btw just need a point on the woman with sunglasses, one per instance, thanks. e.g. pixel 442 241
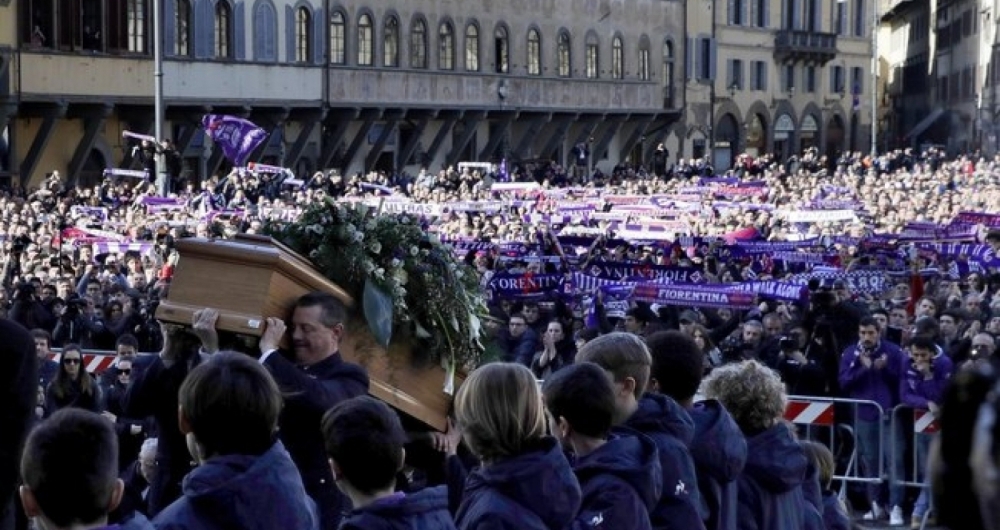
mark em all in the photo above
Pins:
pixel 73 386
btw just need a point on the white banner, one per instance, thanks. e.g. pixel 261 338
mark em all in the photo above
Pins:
pixel 818 216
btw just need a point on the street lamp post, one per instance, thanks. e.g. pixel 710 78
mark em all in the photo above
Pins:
pixel 874 89
pixel 161 170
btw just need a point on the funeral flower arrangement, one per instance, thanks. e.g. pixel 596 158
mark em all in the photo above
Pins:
pixel 408 283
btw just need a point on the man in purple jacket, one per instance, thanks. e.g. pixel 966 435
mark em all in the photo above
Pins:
pixel 925 375
pixel 870 371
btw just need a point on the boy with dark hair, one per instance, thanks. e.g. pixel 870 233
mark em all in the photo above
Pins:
pixel 70 472
pixel 620 476
pixel 364 440
pixel 626 358
pixel 719 449
pixel 228 409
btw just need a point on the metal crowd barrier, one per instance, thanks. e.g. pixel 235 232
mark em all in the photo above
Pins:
pixel 925 426
pixel 818 416
pixel 95 361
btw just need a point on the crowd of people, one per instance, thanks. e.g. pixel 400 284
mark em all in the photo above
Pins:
pixel 655 411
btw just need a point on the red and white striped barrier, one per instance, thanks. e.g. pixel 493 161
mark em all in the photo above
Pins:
pixel 810 413
pixel 924 422
pixel 95 363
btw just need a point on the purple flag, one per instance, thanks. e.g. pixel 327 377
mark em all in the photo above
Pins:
pixel 502 173
pixel 237 137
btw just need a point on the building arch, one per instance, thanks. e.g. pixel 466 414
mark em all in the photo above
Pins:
pixel 758 129
pixel 812 115
pixel 784 131
pixel 835 134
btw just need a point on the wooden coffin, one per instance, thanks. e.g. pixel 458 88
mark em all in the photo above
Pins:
pixel 251 278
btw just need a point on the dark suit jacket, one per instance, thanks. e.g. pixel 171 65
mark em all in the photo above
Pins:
pixel 309 392
pixel 153 392
pixel 18 395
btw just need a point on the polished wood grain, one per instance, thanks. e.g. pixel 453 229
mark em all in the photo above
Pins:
pixel 251 278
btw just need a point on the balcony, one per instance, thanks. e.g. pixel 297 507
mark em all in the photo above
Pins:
pixel 805 46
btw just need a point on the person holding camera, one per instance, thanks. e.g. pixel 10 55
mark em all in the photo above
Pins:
pixel 807 366
pixel 79 323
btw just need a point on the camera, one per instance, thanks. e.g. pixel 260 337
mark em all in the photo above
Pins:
pixel 24 292
pixel 788 344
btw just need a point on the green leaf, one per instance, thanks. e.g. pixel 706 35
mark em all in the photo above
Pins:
pixel 378 312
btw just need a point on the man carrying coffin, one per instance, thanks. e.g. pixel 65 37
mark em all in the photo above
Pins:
pixel 312 378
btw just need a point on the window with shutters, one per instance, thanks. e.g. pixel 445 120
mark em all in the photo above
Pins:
pixel 303 35
pixel 265 26
pixel 223 30
pixel 472 48
pixel 837 80
pixel 135 21
pixel 338 37
pixel 737 8
pixel 859 18
pixel 182 28
pixel 390 41
pixel 644 68
pixel 592 51
pixel 366 40
pixel 563 55
pixel 809 83
pixel 418 44
pixel 617 58
pixel 760 75
pixel 840 18
pixel 735 75
pixel 534 52
pixel 704 58
pixel 760 8
pixel 501 50
pixel 446 46
pixel 669 64
pixel 788 81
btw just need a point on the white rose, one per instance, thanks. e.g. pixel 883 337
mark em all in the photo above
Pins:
pixel 414 251
pixel 359 237
pixel 376 247
pixel 395 263
pixel 314 253
pixel 369 267
pixel 370 225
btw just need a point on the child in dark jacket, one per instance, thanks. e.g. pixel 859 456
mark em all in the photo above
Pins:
pixel 364 439
pixel 619 475
pixel 627 359
pixel 834 514
pixel 525 481
pixel 228 409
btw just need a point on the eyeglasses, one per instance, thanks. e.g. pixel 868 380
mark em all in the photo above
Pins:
pixel 71 361
pixel 125 371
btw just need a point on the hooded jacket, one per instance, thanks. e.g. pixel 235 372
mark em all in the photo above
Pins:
pixel 880 385
pixel 916 391
pixel 671 429
pixel 834 517
pixel 424 510
pixel 535 490
pixel 719 451
pixel 240 491
pixel 812 509
pixel 620 482
pixel 770 488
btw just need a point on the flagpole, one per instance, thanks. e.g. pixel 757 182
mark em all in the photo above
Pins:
pixel 160 177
